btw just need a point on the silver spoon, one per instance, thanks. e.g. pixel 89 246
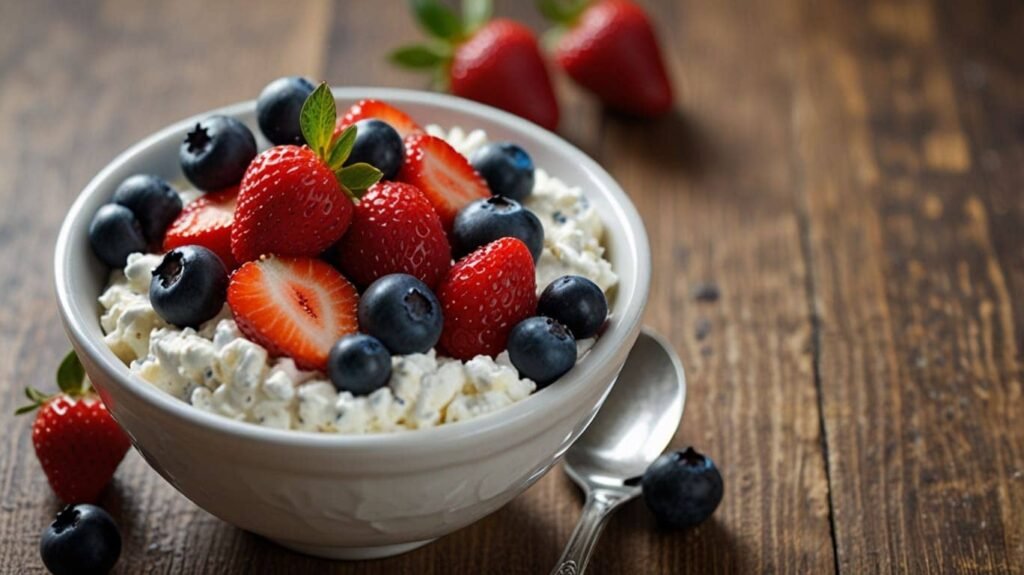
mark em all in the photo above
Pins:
pixel 635 424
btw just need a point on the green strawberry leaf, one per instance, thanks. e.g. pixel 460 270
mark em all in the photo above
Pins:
pixel 476 13
pixel 563 12
pixel 317 119
pixel 26 409
pixel 342 148
pixel 357 177
pixel 71 375
pixel 417 57
pixel 437 19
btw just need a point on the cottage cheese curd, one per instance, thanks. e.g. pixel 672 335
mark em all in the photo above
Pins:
pixel 216 369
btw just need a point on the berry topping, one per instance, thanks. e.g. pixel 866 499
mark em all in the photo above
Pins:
pixel 402 312
pixel 484 221
pixel 296 201
pixel 385 112
pixel 507 168
pixel 577 303
pixel 683 488
pixel 541 349
pixel 82 540
pixel 484 296
pixel 216 153
pixel 394 230
pixel 359 364
pixel 298 307
pixel 278 107
pixel 189 286
pixel 153 201
pixel 206 222
pixel 379 145
pixel 442 174
pixel 114 234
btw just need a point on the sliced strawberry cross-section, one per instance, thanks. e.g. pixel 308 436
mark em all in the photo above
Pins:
pixel 443 175
pixel 366 109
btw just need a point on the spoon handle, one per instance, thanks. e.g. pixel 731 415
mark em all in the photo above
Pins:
pixel 598 507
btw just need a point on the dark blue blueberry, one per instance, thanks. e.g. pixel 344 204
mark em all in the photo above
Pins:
pixel 114 233
pixel 541 349
pixel 189 286
pixel 359 364
pixel 379 145
pixel 402 312
pixel 153 201
pixel 507 168
pixel 490 219
pixel 278 109
pixel 682 489
pixel 577 303
pixel 82 540
pixel 216 153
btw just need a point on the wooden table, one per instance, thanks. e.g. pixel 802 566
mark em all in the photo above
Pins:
pixel 847 177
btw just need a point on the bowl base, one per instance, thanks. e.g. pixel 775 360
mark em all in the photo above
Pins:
pixel 352 553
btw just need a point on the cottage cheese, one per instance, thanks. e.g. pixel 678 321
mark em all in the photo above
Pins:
pixel 216 369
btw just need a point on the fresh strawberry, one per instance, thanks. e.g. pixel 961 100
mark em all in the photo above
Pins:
pixel 293 306
pixel 365 109
pixel 609 47
pixel 497 62
pixel 206 222
pixel 76 440
pixel 297 201
pixel 444 176
pixel 394 230
pixel 484 296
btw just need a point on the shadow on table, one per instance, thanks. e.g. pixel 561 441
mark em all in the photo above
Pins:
pixel 675 145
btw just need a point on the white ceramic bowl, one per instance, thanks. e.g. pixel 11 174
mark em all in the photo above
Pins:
pixel 357 496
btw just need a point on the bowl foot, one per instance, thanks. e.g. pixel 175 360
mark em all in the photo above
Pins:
pixel 352 553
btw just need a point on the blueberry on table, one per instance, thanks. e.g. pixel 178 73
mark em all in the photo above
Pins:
pixel 507 168
pixel 379 145
pixel 153 201
pixel 82 540
pixel 216 153
pixel 402 312
pixel 682 489
pixel 359 364
pixel 278 109
pixel 114 233
pixel 577 303
pixel 189 286
pixel 484 221
pixel 541 349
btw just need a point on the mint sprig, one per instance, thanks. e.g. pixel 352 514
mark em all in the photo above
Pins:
pixel 70 379
pixel 317 120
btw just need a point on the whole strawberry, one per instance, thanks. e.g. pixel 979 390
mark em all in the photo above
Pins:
pixel 484 296
pixel 497 62
pixel 609 47
pixel 76 440
pixel 297 200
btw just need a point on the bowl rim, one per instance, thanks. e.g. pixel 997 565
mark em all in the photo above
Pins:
pixel 525 412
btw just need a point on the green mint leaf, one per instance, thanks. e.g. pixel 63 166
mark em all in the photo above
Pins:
pixel 71 375
pixel 358 177
pixel 342 148
pixel 317 119
pixel 476 13
pixel 417 57
pixel 437 19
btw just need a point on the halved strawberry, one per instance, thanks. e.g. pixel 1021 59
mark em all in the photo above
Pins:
pixel 298 307
pixel 442 174
pixel 385 112
pixel 206 222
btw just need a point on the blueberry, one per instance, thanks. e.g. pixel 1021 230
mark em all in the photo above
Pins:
pixel 82 540
pixel 379 145
pixel 359 364
pixel 153 201
pixel 278 109
pixel 507 168
pixel 541 349
pixel 486 220
pixel 189 286
pixel 114 233
pixel 402 312
pixel 216 153
pixel 577 303
pixel 682 489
